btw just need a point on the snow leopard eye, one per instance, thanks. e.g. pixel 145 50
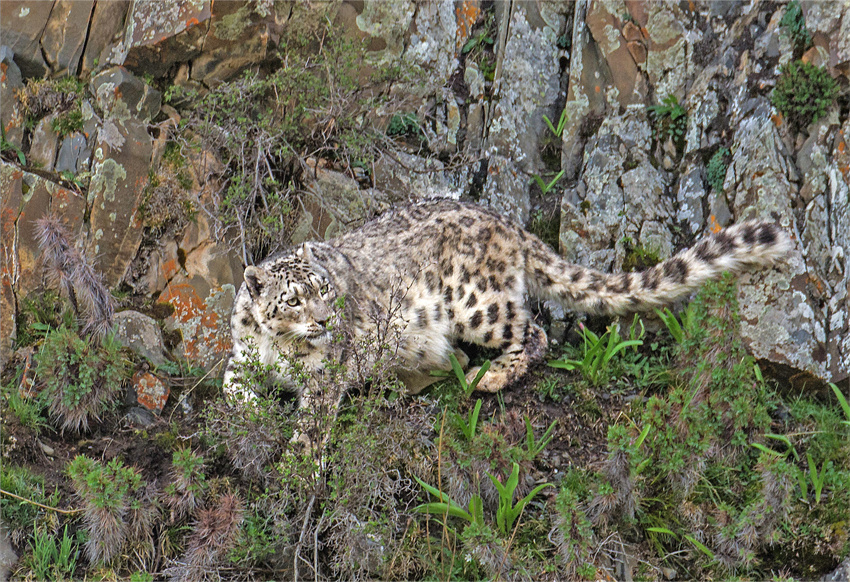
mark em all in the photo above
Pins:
pixel 324 290
pixel 294 302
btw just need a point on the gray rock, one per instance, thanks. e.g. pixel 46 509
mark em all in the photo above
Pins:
pixel 44 144
pixel 11 113
pixel 689 197
pixel 123 94
pixel 119 173
pixel 413 178
pixel 610 202
pixel 333 204
pixel 782 319
pixel 160 34
pixel 840 574
pixel 8 557
pixel 529 85
pixel 21 26
pixel 141 334
pixel 73 154
pixel 140 417
pixel 65 35
pixel 107 23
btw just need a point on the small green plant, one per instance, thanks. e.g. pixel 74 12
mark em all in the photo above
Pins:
pixel 638 256
pixel 794 25
pixel 67 123
pixel 404 124
pixel 140 576
pixel 468 387
pixel 803 93
pixel 817 478
pixel 478 40
pixel 677 331
pixel 716 169
pixel 549 388
pixel 51 561
pixel 534 447
pixel 507 513
pixel 25 408
pixel 7 147
pixel 185 493
pixel 20 516
pixel 842 401
pixel 598 353
pixel 467 427
pixel 445 507
pixel 76 180
pixel 670 119
pixel 558 130
pixel 575 541
pixel 546 186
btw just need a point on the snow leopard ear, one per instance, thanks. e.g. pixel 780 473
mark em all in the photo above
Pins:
pixel 255 280
pixel 305 253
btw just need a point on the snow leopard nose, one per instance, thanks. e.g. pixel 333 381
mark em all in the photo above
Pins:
pixel 321 313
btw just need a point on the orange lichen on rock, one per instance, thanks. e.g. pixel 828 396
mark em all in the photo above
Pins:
pixel 206 337
pixel 713 225
pixel 467 13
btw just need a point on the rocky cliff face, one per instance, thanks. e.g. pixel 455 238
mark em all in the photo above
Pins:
pixel 669 131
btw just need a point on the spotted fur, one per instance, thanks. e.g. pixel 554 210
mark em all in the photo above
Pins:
pixel 441 272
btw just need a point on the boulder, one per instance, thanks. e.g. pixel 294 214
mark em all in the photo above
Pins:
pixel 64 36
pixel 141 334
pixel 150 391
pixel 44 144
pixel 159 35
pixel 529 84
pixel 120 168
pixel 107 23
pixel 21 27
pixel 11 114
pixel 202 291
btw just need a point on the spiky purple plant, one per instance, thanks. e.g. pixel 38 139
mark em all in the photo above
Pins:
pixel 72 273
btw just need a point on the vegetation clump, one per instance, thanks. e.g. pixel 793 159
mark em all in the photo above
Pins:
pixel 716 169
pixel 794 25
pixel 804 93
pixel 80 377
pixel 670 120
pixel 114 511
pixel 264 126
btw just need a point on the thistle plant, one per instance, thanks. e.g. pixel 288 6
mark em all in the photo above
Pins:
pixel 184 495
pixel 106 493
pixel 214 534
pixel 70 271
pixel 80 377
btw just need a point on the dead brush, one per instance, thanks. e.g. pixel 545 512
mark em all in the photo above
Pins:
pixel 43 96
pixel 573 534
pixel 214 534
pixel 252 438
pixel 142 517
pixel 371 498
pixel 482 544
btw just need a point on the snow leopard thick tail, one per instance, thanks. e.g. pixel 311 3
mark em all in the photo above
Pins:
pixel 737 248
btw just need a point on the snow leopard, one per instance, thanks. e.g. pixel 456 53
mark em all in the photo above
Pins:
pixel 439 273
